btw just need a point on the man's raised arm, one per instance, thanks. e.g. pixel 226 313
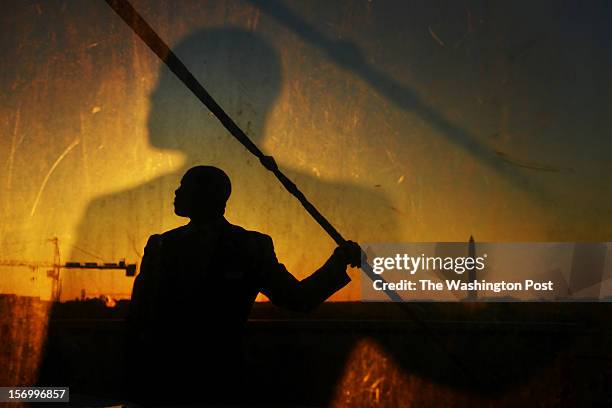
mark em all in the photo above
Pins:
pixel 284 290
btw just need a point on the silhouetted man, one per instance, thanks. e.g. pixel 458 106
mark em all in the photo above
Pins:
pixel 195 290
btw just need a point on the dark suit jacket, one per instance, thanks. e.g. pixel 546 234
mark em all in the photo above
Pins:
pixel 193 295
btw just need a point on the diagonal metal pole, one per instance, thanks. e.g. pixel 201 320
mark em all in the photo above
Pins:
pixel 146 33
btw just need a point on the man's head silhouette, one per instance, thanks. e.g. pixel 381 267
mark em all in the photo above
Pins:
pixel 202 195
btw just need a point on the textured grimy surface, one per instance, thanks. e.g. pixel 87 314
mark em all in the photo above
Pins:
pixel 348 354
pixel 413 121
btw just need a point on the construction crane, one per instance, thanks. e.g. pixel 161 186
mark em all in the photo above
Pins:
pixel 54 268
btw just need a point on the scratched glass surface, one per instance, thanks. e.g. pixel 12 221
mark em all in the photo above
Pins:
pixel 401 122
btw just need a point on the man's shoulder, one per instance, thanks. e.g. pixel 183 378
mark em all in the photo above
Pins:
pixel 253 237
pixel 156 241
pixel 231 231
pixel 253 245
pixel 173 233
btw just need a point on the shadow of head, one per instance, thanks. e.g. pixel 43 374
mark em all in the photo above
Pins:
pixel 238 68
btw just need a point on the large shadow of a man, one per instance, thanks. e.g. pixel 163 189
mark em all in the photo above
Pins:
pixel 203 286
pixel 243 73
